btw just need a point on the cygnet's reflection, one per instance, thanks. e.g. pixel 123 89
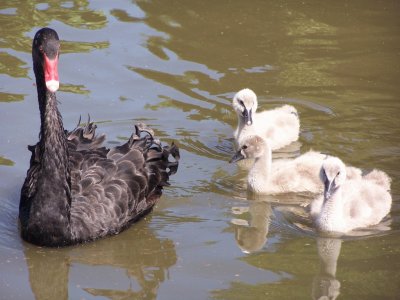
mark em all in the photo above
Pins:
pixel 143 258
pixel 251 235
pixel 325 284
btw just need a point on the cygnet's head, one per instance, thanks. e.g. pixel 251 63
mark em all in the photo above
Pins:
pixel 333 175
pixel 253 147
pixel 245 104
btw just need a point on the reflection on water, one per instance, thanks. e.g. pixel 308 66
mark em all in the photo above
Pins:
pixel 12 66
pixel 6 162
pixel 28 15
pixel 325 284
pixel 144 263
pixel 251 235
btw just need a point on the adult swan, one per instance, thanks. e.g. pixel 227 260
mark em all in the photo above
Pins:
pixel 75 190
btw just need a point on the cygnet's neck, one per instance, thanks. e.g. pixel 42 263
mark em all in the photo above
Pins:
pixel 259 174
pixel 331 215
pixel 241 122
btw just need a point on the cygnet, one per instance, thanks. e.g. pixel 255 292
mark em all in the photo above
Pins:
pixel 280 125
pixel 349 204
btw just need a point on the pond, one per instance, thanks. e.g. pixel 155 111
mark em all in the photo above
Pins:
pixel 176 65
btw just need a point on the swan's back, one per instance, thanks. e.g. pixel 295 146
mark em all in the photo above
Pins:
pixel 113 188
pixel 109 188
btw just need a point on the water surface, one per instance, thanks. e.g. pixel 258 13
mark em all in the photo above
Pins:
pixel 176 65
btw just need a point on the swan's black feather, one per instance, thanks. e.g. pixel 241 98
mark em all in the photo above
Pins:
pixel 110 188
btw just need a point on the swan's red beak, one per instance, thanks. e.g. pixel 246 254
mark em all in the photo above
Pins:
pixel 51 73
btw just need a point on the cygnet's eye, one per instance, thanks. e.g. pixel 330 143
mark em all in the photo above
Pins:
pixel 338 173
pixel 241 102
pixel 244 147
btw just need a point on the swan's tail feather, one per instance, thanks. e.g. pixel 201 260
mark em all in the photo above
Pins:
pixel 174 151
pixel 154 156
pixel 158 159
pixel 83 137
pixel 380 178
pixel 143 128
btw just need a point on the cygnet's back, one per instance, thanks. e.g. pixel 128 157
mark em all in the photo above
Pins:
pixel 380 178
pixel 298 175
pixel 350 204
pixel 282 176
pixel 280 125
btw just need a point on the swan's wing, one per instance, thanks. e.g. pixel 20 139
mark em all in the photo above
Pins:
pixel 29 187
pixel 113 188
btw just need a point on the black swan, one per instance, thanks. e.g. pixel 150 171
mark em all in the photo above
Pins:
pixel 76 190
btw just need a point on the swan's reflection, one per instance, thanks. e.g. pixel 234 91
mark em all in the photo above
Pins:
pixel 325 284
pixel 252 235
pixel 143 257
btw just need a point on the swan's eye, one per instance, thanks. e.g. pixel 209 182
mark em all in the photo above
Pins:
pixel 41 49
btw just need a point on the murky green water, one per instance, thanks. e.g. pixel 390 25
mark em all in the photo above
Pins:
pixel 176 65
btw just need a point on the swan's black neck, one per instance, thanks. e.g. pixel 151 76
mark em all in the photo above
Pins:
pixel 53 197
pixel 49 207
pixel 53 144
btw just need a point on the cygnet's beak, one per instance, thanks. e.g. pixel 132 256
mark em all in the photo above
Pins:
pixel 247 114
pixel 236 157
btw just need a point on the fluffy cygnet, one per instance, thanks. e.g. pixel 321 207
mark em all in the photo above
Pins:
pixel 280 125
pixel 350 204
pixel 282 176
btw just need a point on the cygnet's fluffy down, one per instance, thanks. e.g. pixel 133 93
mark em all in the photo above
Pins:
pixel 282 176
pixel 348 204
pixel 280 125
